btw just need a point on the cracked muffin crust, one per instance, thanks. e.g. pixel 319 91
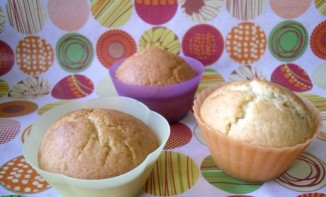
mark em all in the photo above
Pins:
pixel 95 144
pixel 258 112
pixel 154 67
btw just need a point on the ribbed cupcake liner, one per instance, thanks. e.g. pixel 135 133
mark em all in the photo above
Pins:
pixel 171 101
pixel 245 161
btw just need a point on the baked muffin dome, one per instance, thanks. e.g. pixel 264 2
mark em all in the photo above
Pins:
pixel 258 112
pixel 154 67
pixel 95 144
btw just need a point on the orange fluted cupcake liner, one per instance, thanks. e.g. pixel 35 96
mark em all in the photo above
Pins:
pixel 247 161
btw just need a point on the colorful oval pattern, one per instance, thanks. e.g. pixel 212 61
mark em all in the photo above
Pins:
pixel 288 41
pixel 290 8
pixel 112 13
pixel 156 12
pixel 201 11
pixel 4 88
pixel 8 130
pixel 219 179
pixel 204 43
pixel 179 136
pixel 209 78
pixel 178 171
pixel 318 40
pixel 321 6
pixel 73 87
pixel 49 106
pixel 318 101
pixel 246 72
pixel 7 59
pixel 26 17
pixel 245 9
pixel 70 16
pixel 74 52
pixel 30 88
pixel 18 176
pixel 16 108
pixel 308 173
pixel 34 55
pixel 293 77
pixel 246 43
pixel 114 45
pixel 160 37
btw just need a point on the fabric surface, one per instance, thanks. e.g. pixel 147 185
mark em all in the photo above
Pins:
pixel 58 51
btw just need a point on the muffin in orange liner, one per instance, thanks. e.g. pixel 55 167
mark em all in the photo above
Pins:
pixel 246 161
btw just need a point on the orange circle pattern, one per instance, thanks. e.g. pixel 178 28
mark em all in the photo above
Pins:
pixel 246 43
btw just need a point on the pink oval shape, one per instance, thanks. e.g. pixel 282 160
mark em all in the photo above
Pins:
pixel 73 87
pixel 293 77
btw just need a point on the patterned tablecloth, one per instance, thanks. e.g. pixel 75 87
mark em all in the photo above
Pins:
pixel 58 51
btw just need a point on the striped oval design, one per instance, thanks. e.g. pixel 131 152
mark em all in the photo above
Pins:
pixel 219 179
pixel 173 173
pixel 160 37
pixel 49 106
pixel 112 13
pixel 307 173
pixel 4 87
pixel 245 9
pixel 318 101
pixel 321 6
pixel 209 78
pixel 26 17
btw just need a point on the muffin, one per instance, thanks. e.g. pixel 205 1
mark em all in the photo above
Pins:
pixel 258 112
pixel 255 129
pixel 154 67
pixel 95 143
pixel 164 82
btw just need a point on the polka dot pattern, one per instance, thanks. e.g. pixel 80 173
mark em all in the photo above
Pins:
pixel 18 176
pixel 204 43
pixel 246 43
pixel 34 55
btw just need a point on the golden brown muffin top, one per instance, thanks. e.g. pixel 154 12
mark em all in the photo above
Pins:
pixel 258 112
pixel 96 144
pixel 154 67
